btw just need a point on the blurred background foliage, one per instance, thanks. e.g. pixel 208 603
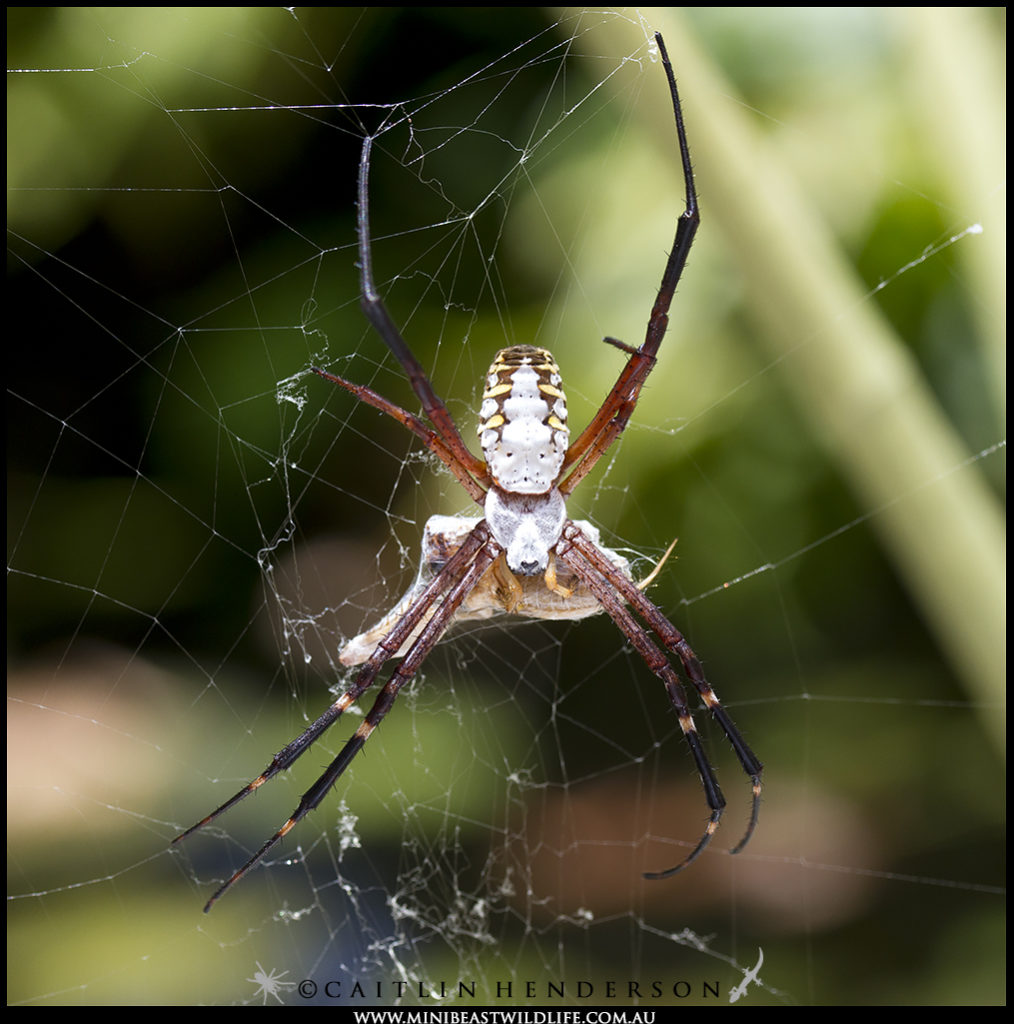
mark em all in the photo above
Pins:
pixel 194 524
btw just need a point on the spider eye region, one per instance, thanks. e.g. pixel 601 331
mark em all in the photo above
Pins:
pixel 526 526
pixel 523 420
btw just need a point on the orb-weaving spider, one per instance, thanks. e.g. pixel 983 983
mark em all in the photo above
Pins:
pixel 524 556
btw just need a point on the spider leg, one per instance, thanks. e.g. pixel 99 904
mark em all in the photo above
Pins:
pixel 674 641
pixel 434 441
pixel 612 418
pixel 466 580
pixel 376 312
pixel 459 563
pixel 605 583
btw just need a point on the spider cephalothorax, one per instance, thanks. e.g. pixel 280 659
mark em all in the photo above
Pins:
pixel 523 556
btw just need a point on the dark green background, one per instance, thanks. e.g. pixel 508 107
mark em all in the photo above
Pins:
pixel 181 226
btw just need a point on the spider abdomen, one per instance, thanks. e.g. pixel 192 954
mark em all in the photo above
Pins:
pixel 523 420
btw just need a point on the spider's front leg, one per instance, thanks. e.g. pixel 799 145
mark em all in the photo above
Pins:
pixel 611 588
pixel 435 607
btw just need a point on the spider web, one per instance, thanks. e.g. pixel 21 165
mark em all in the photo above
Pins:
pixel 196 523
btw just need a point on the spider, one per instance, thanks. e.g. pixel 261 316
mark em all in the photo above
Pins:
pixel 524 555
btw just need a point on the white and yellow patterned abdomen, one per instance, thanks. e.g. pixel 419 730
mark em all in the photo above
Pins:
pixel 523 420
